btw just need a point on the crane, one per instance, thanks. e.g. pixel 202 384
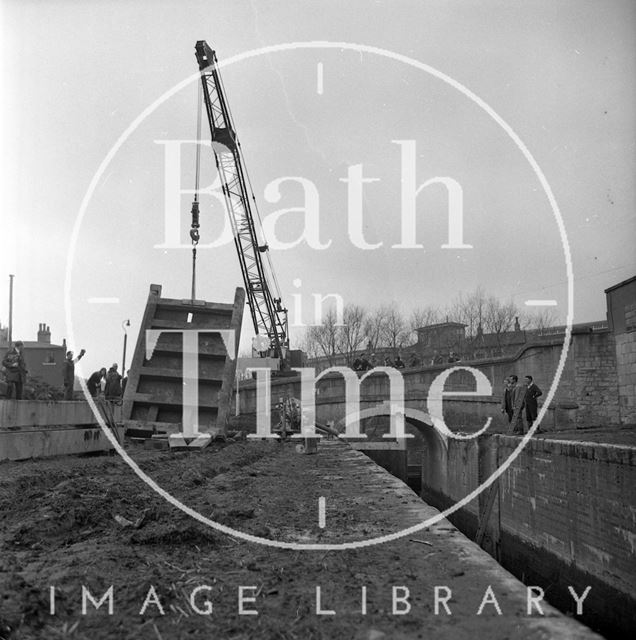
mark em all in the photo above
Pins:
pixel 269 317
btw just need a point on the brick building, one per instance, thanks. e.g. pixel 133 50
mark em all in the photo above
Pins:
pixel 43 359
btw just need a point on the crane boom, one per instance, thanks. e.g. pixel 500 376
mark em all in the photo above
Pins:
pixel 268 315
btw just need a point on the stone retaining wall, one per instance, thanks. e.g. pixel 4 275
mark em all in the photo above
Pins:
pixel 564 515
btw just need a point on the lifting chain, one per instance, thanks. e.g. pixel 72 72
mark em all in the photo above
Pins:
pixel 194 227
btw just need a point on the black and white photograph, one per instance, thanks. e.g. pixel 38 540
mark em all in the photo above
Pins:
pixel 318 319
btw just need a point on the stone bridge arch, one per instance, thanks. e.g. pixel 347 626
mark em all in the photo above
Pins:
pixel 435 454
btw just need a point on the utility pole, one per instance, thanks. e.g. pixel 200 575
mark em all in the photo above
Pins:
pixel 10 336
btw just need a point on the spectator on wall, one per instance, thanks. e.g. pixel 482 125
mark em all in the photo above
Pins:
pixel 68 373
pixel 16 370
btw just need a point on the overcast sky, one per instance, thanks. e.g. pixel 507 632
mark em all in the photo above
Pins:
pixel 75 75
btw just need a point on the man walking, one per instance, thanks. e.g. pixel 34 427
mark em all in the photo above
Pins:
pixel 532 393
pixel 518 403
pixel 68 373
pixel 13 362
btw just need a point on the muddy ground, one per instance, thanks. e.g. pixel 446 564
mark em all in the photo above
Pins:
pixel 90 521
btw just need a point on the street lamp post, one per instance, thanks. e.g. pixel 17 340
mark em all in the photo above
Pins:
pixel 10 332
pixel 124 325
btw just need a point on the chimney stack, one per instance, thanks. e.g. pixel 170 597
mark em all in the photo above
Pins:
pixel 44 333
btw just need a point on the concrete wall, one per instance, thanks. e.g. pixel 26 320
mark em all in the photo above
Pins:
pixel 564 515
pixel 34 413
pixel 33 429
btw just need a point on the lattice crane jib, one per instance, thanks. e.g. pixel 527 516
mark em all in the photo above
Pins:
pixel 268 315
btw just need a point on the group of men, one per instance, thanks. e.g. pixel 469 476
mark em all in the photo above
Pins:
pixel 363 363
pixel 520 397
pixel 109 383
pixel 16 371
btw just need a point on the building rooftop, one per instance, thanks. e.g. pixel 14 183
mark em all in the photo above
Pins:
pixel 441 324
pixel 620 284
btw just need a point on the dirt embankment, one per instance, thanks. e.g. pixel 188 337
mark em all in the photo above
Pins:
pixel 73 522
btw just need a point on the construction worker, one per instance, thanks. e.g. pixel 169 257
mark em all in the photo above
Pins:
pixel 94 383
pixel 16 371
pixel 68 373
pixel 113 383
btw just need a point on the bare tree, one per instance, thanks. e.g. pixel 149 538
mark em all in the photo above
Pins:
pixel 540 319
pixel 306 343
pixel 323 339
pixel 469 309
pixel 373 327
pixel 387 327
pixel 352 334
pixel 422 317
pixel 499 317
pixel 395 330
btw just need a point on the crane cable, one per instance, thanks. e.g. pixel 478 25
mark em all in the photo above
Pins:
pixel 194 227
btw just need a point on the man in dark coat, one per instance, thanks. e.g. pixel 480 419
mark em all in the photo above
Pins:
pixel 518 403
pixel 506 401
pixel 68 373
pixel 113 384
pixel 532 393
pixel 94 383
pixel 15 366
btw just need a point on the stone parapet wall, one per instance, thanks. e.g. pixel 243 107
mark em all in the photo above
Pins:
pixel 587 393
pixel 626 368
